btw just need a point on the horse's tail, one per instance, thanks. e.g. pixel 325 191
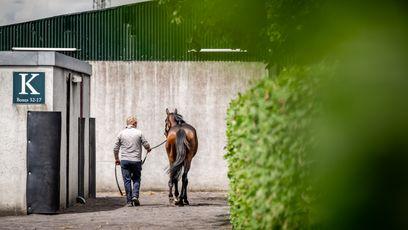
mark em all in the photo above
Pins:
pixel 181 151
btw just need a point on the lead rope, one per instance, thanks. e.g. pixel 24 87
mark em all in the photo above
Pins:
pixel 144 159
pixel 117 182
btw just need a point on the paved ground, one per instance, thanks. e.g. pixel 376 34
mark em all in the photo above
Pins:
pixel 208 210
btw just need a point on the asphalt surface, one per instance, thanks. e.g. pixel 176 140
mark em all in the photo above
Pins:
pixel 207 210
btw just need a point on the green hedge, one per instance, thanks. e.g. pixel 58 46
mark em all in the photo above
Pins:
pixel 267 131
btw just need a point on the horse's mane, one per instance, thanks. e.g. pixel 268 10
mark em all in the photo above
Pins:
pixel 179 119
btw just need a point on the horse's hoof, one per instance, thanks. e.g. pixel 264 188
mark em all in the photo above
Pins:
pixel 186 202
pixel 171 200
pixel 179 203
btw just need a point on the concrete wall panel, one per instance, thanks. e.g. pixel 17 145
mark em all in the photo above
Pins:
pixel 13 139
pixel 201 91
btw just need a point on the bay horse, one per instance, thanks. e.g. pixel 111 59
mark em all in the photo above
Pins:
pixel 181 147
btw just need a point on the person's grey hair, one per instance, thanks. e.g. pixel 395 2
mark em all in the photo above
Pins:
pixel 131 120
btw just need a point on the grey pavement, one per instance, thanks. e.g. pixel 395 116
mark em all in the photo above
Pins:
pixel 207 210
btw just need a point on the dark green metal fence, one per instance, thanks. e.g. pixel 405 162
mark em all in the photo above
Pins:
pixel 141 31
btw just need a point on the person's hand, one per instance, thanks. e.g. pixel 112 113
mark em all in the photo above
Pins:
pixel 117 162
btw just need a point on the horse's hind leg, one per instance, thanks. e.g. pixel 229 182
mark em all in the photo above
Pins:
pixel 183 196
pixel 176 191
pixel 171 198
pixel 170 153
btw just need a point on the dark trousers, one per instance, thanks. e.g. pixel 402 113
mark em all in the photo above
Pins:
pixel 131 172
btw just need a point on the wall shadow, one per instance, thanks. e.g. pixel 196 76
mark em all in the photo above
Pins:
pixel 96 205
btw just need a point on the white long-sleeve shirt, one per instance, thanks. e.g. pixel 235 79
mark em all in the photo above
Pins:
pixel 129 142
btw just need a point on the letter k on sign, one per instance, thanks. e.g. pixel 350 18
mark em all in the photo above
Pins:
pixel 26 84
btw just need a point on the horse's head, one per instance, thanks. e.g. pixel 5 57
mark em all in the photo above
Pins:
pixel 172 120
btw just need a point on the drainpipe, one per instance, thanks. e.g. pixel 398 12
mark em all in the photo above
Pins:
pixel 81 99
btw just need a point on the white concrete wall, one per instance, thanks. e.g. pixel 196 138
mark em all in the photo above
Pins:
pixel 13 139
pixel 201 91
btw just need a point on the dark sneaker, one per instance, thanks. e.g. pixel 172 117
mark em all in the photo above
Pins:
pixel 135 201
pixel 130 204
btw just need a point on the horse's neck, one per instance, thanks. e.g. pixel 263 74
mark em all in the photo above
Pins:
pixel 173 123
